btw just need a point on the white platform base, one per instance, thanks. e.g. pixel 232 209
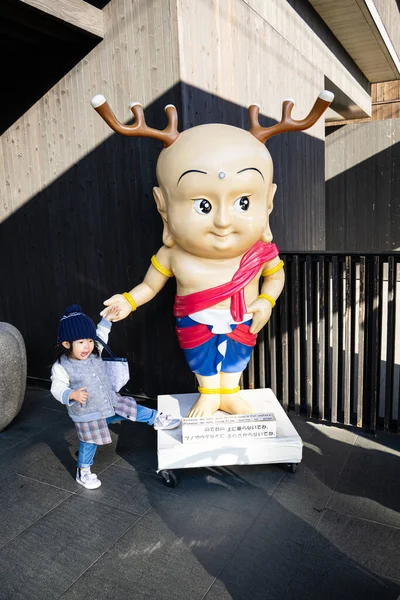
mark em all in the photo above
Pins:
pixel 286 447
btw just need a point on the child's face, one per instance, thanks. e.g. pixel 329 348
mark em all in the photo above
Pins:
pixel 81 349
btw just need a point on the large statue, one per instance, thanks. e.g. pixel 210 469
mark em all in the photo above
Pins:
pixel 215 196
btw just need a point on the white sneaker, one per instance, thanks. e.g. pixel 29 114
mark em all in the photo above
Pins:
pixel 165 421
pixel 88 480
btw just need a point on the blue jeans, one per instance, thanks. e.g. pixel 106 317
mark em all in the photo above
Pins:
pixel 87 450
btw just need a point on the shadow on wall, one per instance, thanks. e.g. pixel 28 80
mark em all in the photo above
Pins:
pixel 362 202
pixel 91 233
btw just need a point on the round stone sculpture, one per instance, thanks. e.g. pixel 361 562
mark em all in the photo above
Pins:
pixel 12 373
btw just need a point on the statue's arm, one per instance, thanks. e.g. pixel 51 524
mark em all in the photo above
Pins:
pixel 273 278
pixel 155 279
pixel 273 281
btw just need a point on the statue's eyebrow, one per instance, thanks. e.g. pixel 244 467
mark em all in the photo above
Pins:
pixel 251 169
pixel 191 171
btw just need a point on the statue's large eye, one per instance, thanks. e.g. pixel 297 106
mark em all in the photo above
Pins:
pixel 202 206
pixel 242 204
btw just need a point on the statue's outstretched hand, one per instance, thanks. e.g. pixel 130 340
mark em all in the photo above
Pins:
pixel 117 308
pixel 261 310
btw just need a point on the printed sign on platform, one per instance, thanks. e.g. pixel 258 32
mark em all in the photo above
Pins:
pixel 230 428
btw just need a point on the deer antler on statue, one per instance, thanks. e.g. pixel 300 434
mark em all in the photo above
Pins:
pixel 287 123
pixel 139 128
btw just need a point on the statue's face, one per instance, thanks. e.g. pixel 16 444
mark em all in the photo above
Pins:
pixel 216 191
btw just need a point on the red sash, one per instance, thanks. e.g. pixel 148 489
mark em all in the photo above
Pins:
pixel 191 337
pixel 249 266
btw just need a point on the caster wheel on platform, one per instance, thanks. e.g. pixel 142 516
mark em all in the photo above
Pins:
pixel 292 467
pixel 170 479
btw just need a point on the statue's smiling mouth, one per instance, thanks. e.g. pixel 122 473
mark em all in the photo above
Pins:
pixel 223 235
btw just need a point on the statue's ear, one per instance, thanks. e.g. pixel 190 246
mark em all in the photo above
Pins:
pixel 162 209
pixel 267 235
pixel 271 195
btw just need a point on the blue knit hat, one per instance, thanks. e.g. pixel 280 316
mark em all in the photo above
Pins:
pixel 75 325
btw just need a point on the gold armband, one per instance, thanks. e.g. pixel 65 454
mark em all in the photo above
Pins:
pixel 131 301
pixel 160 268
pixel 269 298
pixel 273 270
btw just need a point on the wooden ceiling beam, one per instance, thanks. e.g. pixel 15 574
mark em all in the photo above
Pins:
pixel 76 13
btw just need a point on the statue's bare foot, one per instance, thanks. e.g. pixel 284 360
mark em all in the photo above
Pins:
pixel 206 406
pixel 235 405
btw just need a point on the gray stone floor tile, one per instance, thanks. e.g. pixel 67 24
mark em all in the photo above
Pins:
pixel 127 489
pixel 22 455
pixel 16 433
pixel 262 566
pixel 307 491
pixel 22 502
pixel 278 526
pixel 240 489
pixel 40 416
pixel 111 589
pixel 369 545
pixel 265 561
pixel 142 457
pixel 320 579
pixel 42 398
pixel 47 558
pixel 176 549
pixel 369 485
pixel 304 428
pixel 56 468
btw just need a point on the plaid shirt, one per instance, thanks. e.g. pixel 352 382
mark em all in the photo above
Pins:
pixel 97 432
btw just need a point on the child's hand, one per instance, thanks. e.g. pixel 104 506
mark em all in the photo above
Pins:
pixel 79 395
pixel 112 314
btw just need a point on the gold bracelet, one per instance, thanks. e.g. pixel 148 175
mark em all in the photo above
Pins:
pixel 160 268
pixel 269 298
pixel 273 270
pixel 131 301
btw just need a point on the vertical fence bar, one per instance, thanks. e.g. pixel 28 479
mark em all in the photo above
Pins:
pixel 285 348
pixel 321 338
pixel 261 357
pixel 251 372
pixel 296 332
pixel 391 324
pixel 309 333
pixel 335 338
pixel 272 352
pixel 347 344
pixel 375 345
pixel 361 343
pixel 397 278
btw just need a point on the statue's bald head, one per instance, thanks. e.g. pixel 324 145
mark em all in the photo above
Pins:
pixel 211 149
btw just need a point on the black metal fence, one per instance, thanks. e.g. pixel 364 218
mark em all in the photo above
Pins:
pixel 332 348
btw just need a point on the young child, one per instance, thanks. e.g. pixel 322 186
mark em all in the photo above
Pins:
pixel 79 380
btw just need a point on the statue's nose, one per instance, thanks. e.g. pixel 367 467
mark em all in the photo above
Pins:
pixel 222 217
